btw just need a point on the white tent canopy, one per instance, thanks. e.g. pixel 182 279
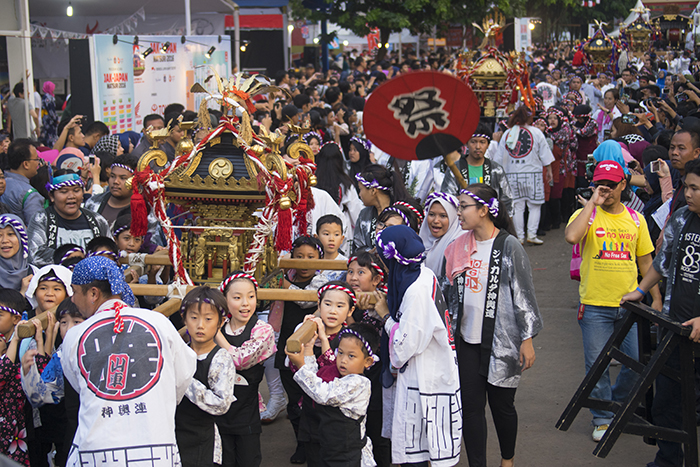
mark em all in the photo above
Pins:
pixel 630 18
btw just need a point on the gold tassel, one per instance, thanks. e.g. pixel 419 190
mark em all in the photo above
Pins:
pixel 246 131
pixel 203 115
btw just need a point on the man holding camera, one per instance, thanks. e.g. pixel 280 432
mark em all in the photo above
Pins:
pixel 615 246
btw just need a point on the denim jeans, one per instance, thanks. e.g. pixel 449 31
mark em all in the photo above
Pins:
pixel 597 325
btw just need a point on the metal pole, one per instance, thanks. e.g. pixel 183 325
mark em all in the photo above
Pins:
pixel 400 46
pixel 324 46
pixel 287 43
pixel 188 18
pixel 236 33
pixel 27 56
pixel 237 37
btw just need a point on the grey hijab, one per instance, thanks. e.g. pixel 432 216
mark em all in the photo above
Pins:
pixel 16 268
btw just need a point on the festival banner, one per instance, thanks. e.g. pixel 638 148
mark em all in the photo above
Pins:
pixel 166 75
pixel 114 74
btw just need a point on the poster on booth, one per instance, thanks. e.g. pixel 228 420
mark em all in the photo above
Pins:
pixel 115 84
pixel 166 75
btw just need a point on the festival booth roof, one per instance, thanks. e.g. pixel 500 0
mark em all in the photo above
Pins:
pixel 656 8
pixel 153 7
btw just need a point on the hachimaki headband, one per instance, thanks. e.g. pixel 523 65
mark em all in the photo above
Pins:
pixel 76 249
pixel 492 204
pixel 313 134
pixel 443 196
pixel 65 180
pixel 372 184
pixel 309 242
pixel 362 142
pixel 104 253
pixel 21 232
pixel 412 209
pixel 10 310
pixel 224 312
pixel 51 277
pixel 122 166
pixel 350 292
pixel 398 211
pixel 382 286
pixel 119 230
pixel 390 252
pixel 481 135
pixel 233 277
pixel 375 266
pixel 350 332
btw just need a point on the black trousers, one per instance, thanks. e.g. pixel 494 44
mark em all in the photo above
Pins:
pixel 666 411
pixel 240 450
pixel 475 390
pixel 294 395
pixel 381 447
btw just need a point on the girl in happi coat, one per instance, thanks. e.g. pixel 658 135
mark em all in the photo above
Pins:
pixel 492 298
pixel 249 342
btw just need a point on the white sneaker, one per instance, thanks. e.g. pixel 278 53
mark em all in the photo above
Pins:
pixel 599 432
pixel 275 406
pixel 534 241
pixel 522 241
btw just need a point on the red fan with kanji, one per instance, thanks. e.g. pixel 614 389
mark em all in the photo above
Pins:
pixel 422 115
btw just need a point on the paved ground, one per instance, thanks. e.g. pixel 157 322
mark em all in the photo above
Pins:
pixel 545 389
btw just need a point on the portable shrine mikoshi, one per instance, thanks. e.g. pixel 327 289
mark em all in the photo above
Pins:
pixel 239 197
pixel 496 78
pixel 639 35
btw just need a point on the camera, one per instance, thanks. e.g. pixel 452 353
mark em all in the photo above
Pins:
pixel 681 97
pixel 584 193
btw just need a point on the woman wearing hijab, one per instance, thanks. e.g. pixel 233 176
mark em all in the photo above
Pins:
pixel 564 167
pixel 111 144
pixel 612 150
pixel 422 415
pixel 358 157
pixel 49 118
pixel 128 140
pixel 439 229
pixel 14 252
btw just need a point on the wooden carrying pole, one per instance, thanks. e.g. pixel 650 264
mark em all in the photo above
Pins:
pixel 288 263
pixel 301 336
pixel 27 329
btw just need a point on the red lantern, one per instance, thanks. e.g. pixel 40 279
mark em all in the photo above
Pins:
pixel 421 115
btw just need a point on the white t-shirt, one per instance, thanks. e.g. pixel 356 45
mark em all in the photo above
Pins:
pixel 475 293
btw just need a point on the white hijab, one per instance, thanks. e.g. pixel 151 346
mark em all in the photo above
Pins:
pixel 434 246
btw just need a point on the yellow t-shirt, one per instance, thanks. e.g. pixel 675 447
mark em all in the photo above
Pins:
pixel 609 258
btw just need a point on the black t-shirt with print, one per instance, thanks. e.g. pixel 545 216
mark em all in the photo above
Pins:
pixel 685 302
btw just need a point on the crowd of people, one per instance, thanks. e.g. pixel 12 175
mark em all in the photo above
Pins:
pixel 435 273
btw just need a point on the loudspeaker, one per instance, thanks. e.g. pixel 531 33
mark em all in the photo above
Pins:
pixel 310 56
pixel 80 78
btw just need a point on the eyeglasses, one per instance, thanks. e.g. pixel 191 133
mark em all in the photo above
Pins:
pixel 610 185
pixel 462 207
